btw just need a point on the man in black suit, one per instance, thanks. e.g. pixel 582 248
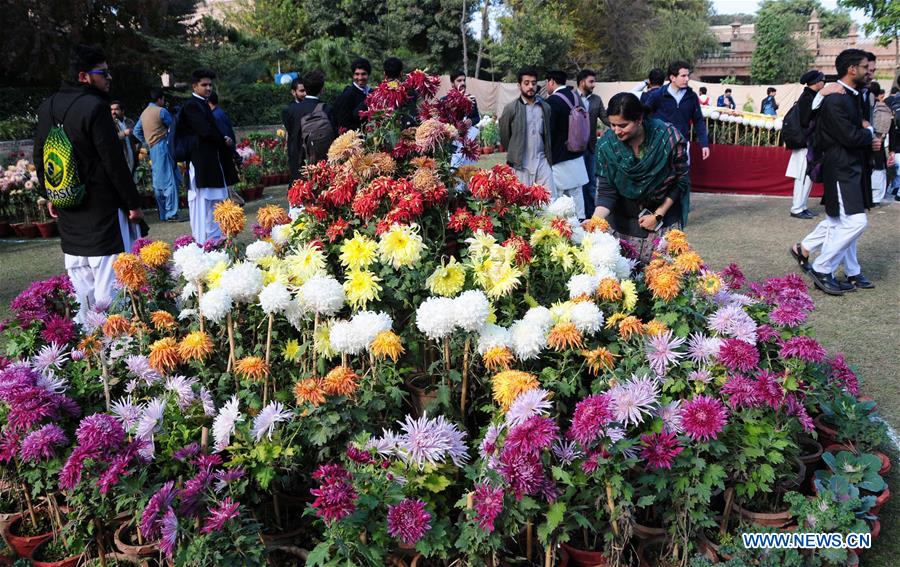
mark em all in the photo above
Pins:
pixel 586 79
pixel 211 166
pixel 294 147
pixel 844 137
pixel 346 106
pixel 310 123
pixel 569 171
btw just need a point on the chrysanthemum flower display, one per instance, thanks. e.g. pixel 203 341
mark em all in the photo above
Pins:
pixel 156 254
pixel 130 272
pixel 230 218
pixel 252 368
pixel 164 355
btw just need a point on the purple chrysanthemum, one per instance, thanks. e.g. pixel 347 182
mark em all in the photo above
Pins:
pixel 158 505
pixel 534 435
pixel 843 375
pixel 191 494
pixel 634 399
pixel 100 434
pixel 565 451
pixel 221 514
pixel 169 533
pixel 488 504
pixel 58 329
pixel 703 417
pixel 733 276
pixel 489 443
pixel 661 351
pixel 335 497
pixel 50 357
pixel 265 421
pixel 139 366
pixel 701 349
pixel 408 521
pixel 182 241
pixel 140 243
pixel 769 390
pixel 431 441
pixel 225 477
pixel 38 445
pixel 592 414
pixel 127 411
pixel 660 449
pixel 187 452
pixel 704 376
pixel 804 348
pixel 798 410
pixel 766 334
pixel 183 388
pixel 670 414
pixel 527 404
pixel 522 471
pixel 741 392
pixel 738 356
pixel 359 456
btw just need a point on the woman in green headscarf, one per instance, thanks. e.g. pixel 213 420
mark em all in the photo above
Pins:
pixel 642 175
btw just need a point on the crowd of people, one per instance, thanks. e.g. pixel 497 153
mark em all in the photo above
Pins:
pixel 636 174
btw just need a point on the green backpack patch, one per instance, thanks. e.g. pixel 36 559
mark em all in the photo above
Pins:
pixel 64 187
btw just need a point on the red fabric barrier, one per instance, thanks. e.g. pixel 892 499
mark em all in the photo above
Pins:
pixel 744 170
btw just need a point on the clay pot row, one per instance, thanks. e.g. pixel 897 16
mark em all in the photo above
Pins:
pixel 28 230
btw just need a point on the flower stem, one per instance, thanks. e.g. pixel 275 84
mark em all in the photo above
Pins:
pixel 612 509
pixel 465 377
pixel 199 299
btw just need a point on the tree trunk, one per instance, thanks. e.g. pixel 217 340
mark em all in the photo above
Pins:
pixel 464 35
pixel 485 29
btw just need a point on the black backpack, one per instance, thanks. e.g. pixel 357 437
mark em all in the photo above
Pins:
pixel 317 133
pixel 181 143
pixel 792 131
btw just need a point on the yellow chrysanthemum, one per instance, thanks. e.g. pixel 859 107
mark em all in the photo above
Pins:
pixel 345 146
pixel 401 246
pixel 613 320
pixel 497 358
pixel 307 262
pixel 359 252
pixel 564 336
pixel 164 355
pixel 583 259
pixel 387 344
pixel 599 359
pixel 163 320
pixel 629 295
pixel 655 328
pixel 214 276
pixel 310 391
pixel 447 279
pixel 482 244
pixel 664 283
pixel 361 287
pixel 230 217
pixel 504 278
pixel 291 351
pixel 156 254
pixel 116 326
pixel 130 271
pixel 252 367
pixel 322 341
pixel 341 381
pixel 370 166
pixel 507 386
pixel 688 262
pixel 609 290
pixel 542 234
pixel 195 346
pixel 561 255
pixel 270 215
pixel 630 326
pixel 595 224
pixel 710 283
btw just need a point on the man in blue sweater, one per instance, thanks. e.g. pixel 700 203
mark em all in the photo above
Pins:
pixel 679 105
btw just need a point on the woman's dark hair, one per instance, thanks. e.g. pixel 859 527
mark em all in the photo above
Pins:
pixel 627 105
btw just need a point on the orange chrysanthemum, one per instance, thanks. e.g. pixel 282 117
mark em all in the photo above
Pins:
pixel 677 242
pixel 422 161
pixel 497 358
pixel 425 180
pixel 195 346
pixel 387 344
pixel 270 215
pixel 345 146
pixel 89 345
pixel 341 381
pixel 310 391
pixel 583 298
pixel 163 320
pixel 370 166
pixel 507 386
pixel 117 326
pixel 252 367
pixel 609 290
pixel 688 262
pixel 630 326
pixel 599 359
pixel 655 328
pixel 230 217
pixel 466 172
pixel 164 355
pixel 156 254
pixel 595 224
pixel 130 272
pixel 665 284
pixel 564 336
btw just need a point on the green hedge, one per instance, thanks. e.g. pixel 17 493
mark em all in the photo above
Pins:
pixel 261 103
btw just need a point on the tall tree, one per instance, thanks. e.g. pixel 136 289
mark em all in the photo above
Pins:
pixel 796 13
pixel 485 31
pixel 676 34
pixel 778 57
pixel 884 19
pixel 537 34
pixel 286 21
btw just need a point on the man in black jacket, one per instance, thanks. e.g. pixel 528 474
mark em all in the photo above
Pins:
pixel 586 79
pixel 347 105
pixel 103 225
pixel 844 138
pixel 294 146
pixel 814 81
pixel 569 171
pixel 211 166
pixel 313 114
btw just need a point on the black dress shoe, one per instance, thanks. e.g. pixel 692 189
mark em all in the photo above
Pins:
pixel 860 282
pixel 826 283
pixel 805 215
pixel 845 285
pixel 812 213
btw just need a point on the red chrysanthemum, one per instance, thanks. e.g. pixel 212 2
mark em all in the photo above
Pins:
pixel 459 221
pixel 423 84
pixel 522 248
pixel 562 226
pixel 738 355
pixel 300 193
pixel 336 230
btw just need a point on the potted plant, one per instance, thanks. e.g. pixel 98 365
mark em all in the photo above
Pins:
pixel 828 512
pixel 861 471
pixel 66 549
pixel 253 179
pixel 489 135
pixel 46 226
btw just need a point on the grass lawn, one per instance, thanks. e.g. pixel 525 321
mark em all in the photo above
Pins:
pixel 755 232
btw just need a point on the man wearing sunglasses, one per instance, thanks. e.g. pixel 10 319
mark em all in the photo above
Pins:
pixel 105 221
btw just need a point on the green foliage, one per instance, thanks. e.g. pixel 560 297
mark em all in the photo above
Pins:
pixel 859 470
pixel 778 57
pixel 534 34
pixel 796 13
pixel 285 21
pixel 883 17
pixel 677 34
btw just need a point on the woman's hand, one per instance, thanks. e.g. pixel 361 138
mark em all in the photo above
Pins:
pixel 648 222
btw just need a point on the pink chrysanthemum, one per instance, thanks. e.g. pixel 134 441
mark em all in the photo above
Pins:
pixel 769 390
pixel 219 515
pixel 535 434
pixel 765 334
pixel 488 504
pixel 788 316
pixel 841 373
pixel 592 414
pixel 804 348
pixel 522 471
pixel 38 445
pixel 703 417
pixel 738 355
pixel 335 497
pixel 660 449
pixel 741 392
pixel 661 351
pixel 734 277
pixel 58 329
pixel 408 521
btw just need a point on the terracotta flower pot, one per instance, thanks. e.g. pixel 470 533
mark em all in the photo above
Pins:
pixel 645 559
pixel 827 432
pixel 643 532
pixel 812 453
pixel 487 150
pixel 123 540
pixel 773 519
pixel 25 230
pixel 574 557
pixel 710 549
pixel 67 562
pixel 48 229
pixel 24 546
pixel 885 460
pixel 420 397
pixel 5 229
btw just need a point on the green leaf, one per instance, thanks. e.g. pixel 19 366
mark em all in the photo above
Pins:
pixel 436 482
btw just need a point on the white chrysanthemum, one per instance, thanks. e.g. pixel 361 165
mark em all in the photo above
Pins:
pixel 369 323
pixel 587 317
pixel 602 272
pixel 528 339
pixel 191 262
pixel 494 336
pixel 323 295
pixel 274 298
pixel 295 212
pixel 258 250
pixel 603 249
pixel 582 284
pixel 281 233
pixel 215 305
pixel 578 233
pixel 345 338
pixel 624 267
pixel 563 206
pixel 186 314
pixel 264 422
pixel 471 310
pixel 295 312
pixel 188 291
pixel 223 425
pixel 435 317
pixel 540 317
pixel 242 281
pixel 561 312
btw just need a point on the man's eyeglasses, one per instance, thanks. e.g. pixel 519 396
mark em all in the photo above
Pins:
pixel 101 72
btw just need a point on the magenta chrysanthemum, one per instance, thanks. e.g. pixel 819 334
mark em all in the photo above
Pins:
pixel 58 329
pixel 804 348
pixel 488 504
pixel 522 471
pixel 703 417
pixel 733 276
pixel 335 497
pixel 741 391
pixel 765 334
pixel 38 445
pixel 156 507
pixel 592 414
pixel 660 449
pixel 219 515
pixel 769 390
pixel 841 373
pixel 408 521
pixel 788 316
pixel 100 434
pixel 534 435
pixel 738 355
pixel 169 531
